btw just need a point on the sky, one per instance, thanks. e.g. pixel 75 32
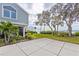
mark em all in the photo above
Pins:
pixel 34 8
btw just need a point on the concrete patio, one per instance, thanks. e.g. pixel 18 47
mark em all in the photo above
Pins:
pixel 40 47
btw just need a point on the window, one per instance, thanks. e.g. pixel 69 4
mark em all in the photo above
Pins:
pixel 9 12
pixel 13 15
pixel 9 8
pixel 6 13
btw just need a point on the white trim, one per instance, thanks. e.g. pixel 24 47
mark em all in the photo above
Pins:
pixel 19 23
pixel 16 23
pixel 22 9
pixel 10 13
pixel 3 13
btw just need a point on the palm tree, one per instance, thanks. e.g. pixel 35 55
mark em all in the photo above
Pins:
pixel 8 29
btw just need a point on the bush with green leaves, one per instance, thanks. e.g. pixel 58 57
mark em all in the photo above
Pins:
pixel 31 32
pixel 2 42
pixel 29 36
pixel 13 41
pixel 46 32
pixel 8 29
pixel 62 34
pixel 16 39
pixel 76 33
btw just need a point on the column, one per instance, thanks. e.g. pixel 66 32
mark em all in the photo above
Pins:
pixel 24 31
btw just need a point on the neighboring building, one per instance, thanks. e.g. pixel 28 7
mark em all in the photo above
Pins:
pixel 15 14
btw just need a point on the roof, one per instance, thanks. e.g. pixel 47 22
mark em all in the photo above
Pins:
pixel 22 8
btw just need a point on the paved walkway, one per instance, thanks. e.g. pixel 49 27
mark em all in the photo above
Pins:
pixel 40 47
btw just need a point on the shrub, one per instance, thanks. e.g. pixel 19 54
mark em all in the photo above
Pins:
pixel 31 32
pixel 76 33
pixel 29 36
pixel 46 32
pixel 13 41
pixel 16 39
pixel 2 42
pixel 20 38
pixel 62 34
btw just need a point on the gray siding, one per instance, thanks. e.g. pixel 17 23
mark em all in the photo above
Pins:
pixel 22 16
pixel 0 10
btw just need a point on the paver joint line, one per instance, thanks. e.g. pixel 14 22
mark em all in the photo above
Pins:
pixel 61 49
pixel 43 48
pixel 22 50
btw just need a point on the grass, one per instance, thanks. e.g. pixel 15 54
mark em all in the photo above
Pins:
pixel 74 39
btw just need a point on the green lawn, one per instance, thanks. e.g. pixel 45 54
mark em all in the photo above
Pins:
pixel 74 40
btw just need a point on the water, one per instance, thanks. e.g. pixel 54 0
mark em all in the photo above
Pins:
pixel 73 31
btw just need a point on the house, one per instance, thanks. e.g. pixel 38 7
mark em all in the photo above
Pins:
pixel 13 13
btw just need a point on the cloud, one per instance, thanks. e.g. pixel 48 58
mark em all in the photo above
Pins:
pixel 36 7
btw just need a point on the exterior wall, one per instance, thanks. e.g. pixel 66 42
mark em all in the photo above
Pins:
pixel 21 15
pixel 0 10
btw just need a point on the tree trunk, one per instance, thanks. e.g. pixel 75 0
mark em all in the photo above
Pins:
pixel 54 30
pixel 8 39
pixel 70 30
pixel 44 27
pixel 51 29
pixel 57 28
pixel 40 28
pixel 69 25
pixel 5 38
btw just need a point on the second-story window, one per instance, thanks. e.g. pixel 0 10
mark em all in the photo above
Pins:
pixel 13 14
pixel 6 13
pixel 9 12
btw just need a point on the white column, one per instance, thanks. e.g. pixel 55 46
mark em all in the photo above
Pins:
pixel 24 31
